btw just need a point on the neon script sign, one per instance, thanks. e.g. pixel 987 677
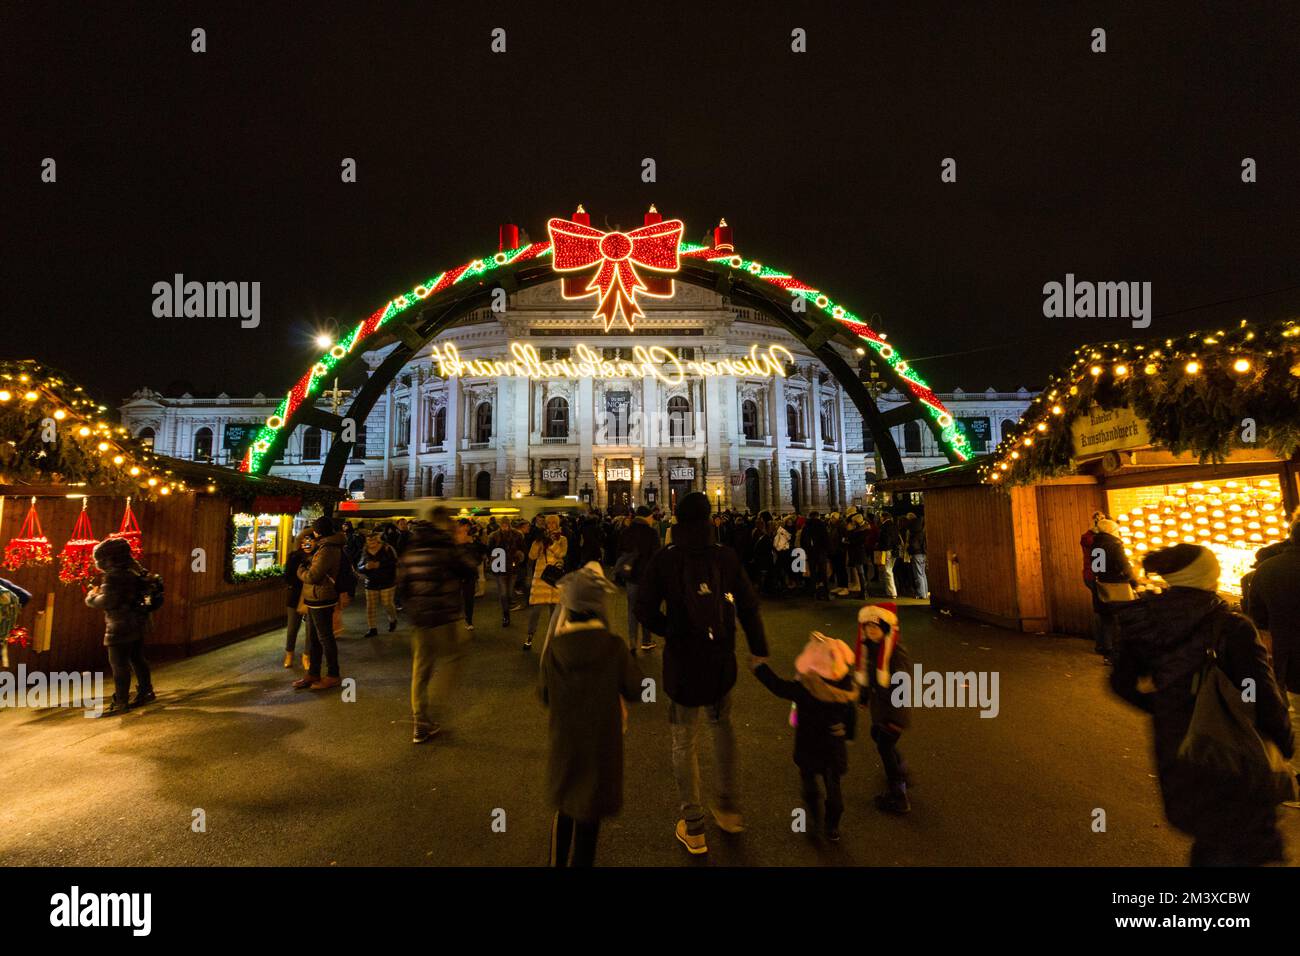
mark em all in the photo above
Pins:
pixel 656 361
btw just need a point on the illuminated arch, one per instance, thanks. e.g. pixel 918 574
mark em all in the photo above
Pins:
pixel 420 313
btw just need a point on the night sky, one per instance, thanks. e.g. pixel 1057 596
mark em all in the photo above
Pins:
pixel 226 165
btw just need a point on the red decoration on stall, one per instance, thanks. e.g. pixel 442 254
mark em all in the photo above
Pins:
pixel 20 636
pixel 77 559
pixel 31 546
pixel 616 256
pixel 130 530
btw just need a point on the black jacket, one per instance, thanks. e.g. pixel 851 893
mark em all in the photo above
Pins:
pixel 383 576
pixel 593 540
pixel 292 583
pixel 706 591
pixel 1275 597
pixel 430 577
pixel 642 540
pixel 889 539
pixel 826 714
pixel 119 593
pixel 1164 637
pixel 916 543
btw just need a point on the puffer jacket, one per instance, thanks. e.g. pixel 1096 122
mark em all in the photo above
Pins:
pixel 430 576
pixel 118 594
pixel 542 554
pixel 1164 637
pixel 318 578
pixel 384 574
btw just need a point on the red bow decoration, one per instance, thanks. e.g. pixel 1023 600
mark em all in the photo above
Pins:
pixel 616 255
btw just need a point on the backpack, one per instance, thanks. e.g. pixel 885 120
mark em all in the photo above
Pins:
pixel 151 592
pixel 702 611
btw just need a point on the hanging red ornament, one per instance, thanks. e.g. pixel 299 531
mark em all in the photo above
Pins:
pixel 77 559
pixel 130 530
pixel 31 546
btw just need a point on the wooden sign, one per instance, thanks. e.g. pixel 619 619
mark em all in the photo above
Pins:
pixel 1102 430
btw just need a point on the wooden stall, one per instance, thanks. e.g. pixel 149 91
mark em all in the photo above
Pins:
pixel 218 537
pixel 1176 442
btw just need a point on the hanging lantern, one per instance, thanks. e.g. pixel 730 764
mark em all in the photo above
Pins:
pixel 130 530
pixel 31 546
pixel 77 559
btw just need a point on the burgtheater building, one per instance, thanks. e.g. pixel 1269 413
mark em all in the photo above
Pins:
pixel 532 394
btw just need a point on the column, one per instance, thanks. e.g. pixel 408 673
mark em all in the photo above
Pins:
pixel 815 410
pixel 452 445
pixel 522 443
pixel 388 443
pixel 586 423
pixel 415 409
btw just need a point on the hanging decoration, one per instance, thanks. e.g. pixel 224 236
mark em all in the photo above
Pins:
pixel 77 559
pixel 31 546
pixel 615 258
pixel 130 530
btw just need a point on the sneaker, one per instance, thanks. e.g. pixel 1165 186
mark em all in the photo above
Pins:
pixel 144 697
pixel 114 709
pixel 893 801
pixel 728 820
pixel 373 632
pixel 425 733
pixel 833 834
pixel 302 683
pixel 648 647
pixel 326 683
pixel 516 607
pixel 288 658
pixel 392 626
pixel 694 842
pixel 528 644
pixel 505 622
pixel 470 626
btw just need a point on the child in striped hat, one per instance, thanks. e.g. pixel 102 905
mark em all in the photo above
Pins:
pixel 879 657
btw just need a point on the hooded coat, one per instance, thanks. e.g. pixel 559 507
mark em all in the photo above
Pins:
pixel 119 593
pixel 1164 637
pixel 826 718
pixel 696 578
pixel 319 577
pixel 585 670
pixel 430 577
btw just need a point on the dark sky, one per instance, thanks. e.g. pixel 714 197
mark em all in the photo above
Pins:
pixel 225 165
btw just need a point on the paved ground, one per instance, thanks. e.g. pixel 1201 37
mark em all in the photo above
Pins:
pixel 294 778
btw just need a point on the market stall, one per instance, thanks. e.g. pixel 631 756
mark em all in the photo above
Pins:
pixel 69 478
pixel 1180 440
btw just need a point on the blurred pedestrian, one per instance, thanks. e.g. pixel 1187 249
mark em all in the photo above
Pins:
pixel 547 554
pixel 879 656
pixel 378 565
pixel 320 597
pixel 296 611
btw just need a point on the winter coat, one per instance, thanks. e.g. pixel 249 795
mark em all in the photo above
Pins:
pixel 856 546
pixel 825 718
pixel 1275 598
pixel 293 583
pixel 1117 569
pixel 584 671
pixel 916 537
pixel 384 575
pixel 1164 637
pixel 593 540
pixel 430 577
pixel 543 554
pixel 889 539
pixel 639 538
pixel 706 592
pixel 511 543
pixel 878 697
pixel 815 540
pixel 118 597
pixel 319 577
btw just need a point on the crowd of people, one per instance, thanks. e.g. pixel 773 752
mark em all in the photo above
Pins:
pixel 693 579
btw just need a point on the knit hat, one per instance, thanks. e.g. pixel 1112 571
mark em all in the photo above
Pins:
pixel 1185 566
pixel 694 507
pixel 826 657
pixel 886 615
pixel 113 553
pixel 584 591
pixel 1107 526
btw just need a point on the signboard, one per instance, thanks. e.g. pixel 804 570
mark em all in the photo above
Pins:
pixel 682 473
pixel 555 474
pixel 1101 430
pixel 978 431
pixel 238 436
pixel 618 474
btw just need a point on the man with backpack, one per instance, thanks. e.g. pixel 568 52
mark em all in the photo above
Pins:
pixel 706 591
pixel 637 546
pixel 126 594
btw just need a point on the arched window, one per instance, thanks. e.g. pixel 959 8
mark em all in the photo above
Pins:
pixel 796 490
pixel 203 444
pixel 749 418
pixel 146 437
pixel 751 490
pixel 357 488
pixel 483 423
pixel 359 447
pixel 483 486
pixel 912 438
pixel 792 429
pixel 440 425
pixel 1008 426
pixel 828 424
pixel 311 444
pixel 557 418
pixel 679 418
pixel 402 434
pixel 438 480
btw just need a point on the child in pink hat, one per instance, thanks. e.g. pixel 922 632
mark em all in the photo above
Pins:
pixel 879 657
pixel 824 698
